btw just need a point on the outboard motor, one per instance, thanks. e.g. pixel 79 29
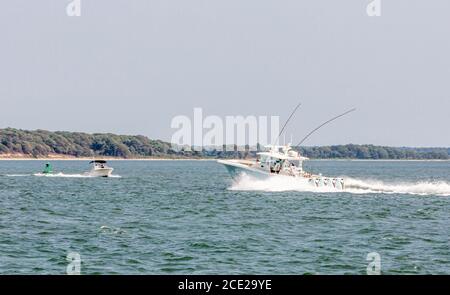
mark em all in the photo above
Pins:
pixel 342 183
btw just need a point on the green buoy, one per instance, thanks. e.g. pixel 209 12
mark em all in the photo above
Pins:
pixel 48 169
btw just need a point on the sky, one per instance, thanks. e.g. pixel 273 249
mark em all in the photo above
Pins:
pixel 131 66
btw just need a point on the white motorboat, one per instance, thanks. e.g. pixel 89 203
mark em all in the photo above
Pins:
pixel 100 169
pixel 276 161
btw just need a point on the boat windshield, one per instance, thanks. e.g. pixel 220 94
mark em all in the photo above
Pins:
pixel 100 164
pixel 296 163
pixel 262 158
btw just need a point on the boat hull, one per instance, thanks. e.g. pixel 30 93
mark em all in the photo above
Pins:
pixel 101 172
pixel 236 170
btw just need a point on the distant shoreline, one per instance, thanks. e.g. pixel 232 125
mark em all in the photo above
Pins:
pixel 16 144
pixel 113 159
pixel 69 158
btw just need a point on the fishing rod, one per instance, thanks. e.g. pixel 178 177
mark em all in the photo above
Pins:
pixel 287 121
pixel 323 124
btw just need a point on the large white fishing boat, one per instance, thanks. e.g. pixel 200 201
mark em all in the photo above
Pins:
pixel 279 161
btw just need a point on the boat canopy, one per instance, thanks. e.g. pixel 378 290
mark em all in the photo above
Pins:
pixel 98 161
pixel 281 156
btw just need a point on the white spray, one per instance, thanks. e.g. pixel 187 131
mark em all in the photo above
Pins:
pixel 352 185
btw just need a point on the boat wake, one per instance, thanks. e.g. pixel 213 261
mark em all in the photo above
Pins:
pixel 17 175
pixel 85 175
pixel 423 188
pixel 60 174
pixel 277 183
pixel 352 185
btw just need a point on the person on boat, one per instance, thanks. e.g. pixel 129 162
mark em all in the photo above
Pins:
pixel 47 169
pixel 258 162
pixel 292 170
pixel 277 166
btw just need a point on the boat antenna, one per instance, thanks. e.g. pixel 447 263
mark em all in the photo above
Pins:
pixel 287 121
pixel 323 124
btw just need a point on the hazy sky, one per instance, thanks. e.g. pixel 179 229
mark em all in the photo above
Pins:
pixel 130 66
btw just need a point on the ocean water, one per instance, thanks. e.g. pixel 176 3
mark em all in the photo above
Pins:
pixel 188 217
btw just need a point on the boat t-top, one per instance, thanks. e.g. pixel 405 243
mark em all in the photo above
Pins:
pixel 279 161
pixel 100 169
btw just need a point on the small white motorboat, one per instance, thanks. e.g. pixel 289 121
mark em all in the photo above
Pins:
pixel 100 169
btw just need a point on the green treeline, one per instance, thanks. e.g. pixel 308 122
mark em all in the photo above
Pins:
pixel 41 143
pixel 352 151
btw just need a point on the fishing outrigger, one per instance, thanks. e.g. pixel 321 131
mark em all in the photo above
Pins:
pixel 283 160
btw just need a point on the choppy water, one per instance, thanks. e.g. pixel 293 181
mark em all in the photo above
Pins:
pixel 187 217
